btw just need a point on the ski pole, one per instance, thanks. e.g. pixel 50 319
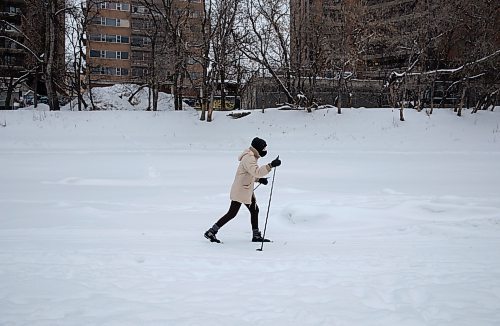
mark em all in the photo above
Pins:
pixel 268 207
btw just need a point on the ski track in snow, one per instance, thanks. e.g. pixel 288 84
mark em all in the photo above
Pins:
pixel 395 226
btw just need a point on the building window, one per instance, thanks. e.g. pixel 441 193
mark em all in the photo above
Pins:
pixel 109 38
pixel 140 41
pixel 122 71
pixel 12 10
pixel 136 41
pixel 109 54
pixel 114 6
pixel 139 72
pixel 195 14
pixel 95 37
pixel 110 22
pixel 195 75
pixel 139 24
pixel 123 6
pixel 140 56
pixel 137 9
pixel 9 60
pixel 110 71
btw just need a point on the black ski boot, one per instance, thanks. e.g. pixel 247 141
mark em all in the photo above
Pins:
pixel 210 235
pixel 257 237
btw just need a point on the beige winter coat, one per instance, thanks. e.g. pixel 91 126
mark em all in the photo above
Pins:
pixel 247 173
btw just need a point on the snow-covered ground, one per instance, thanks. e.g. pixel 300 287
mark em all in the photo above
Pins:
pixel 117 97
pixel 374 221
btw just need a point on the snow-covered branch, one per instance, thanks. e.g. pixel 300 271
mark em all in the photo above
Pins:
pixel 38 58
pixel 462 67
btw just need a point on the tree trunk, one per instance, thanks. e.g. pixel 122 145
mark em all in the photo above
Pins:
pixel 175 93
pixel 149 98
pixel 210 107
pixel 392 95
pixel 203 102
pixel 420 101
pixel 222 89
pixel 401 112
pixel 462 99
pixel 432 96
pixel 181 92
pixel 131 97
pixel 91 95
pixel 339 97
pixel 10 90
pixel 51 48
pixel 155 97
pixel 78 84
pixel 35 89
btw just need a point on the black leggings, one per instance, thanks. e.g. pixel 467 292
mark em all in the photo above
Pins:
pixel 233 210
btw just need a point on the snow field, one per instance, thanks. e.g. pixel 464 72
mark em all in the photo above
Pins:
pixel 374 221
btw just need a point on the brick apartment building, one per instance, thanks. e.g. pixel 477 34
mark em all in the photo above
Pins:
pixel 375 40
pixel 12 55
pixel 329 17
pixel 22 27
pixel 121 38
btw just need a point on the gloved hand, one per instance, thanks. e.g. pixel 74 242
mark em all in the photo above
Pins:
pixel 263 181
pixel 276 162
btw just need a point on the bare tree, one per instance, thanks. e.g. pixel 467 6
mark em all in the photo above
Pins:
pixel 350 28
pixel 11 77
pixel 480 57
pixel 158 16
pixel 310 29
pixel 223 45
pixel 450 41
pixel 53 56
pixel 178 44
pixel 78 16
pixel 262 35
pixel 168 31
pixel 27 38
pixel 207 32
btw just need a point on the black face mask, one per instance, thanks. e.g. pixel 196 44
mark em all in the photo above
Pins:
pixel 262 153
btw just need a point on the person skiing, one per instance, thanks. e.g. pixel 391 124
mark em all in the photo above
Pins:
pixel 247 173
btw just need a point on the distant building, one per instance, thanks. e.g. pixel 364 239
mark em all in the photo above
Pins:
pixel 22 27
pixel 12 54
pixel 329 17
pixel 123 34
pixel 325 47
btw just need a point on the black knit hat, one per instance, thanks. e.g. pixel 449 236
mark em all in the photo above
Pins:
pixel 259 144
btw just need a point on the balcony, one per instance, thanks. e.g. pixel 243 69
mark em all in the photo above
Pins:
pixel 7 50
pixel 7 14
pixel 141 48
pixel 139 63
